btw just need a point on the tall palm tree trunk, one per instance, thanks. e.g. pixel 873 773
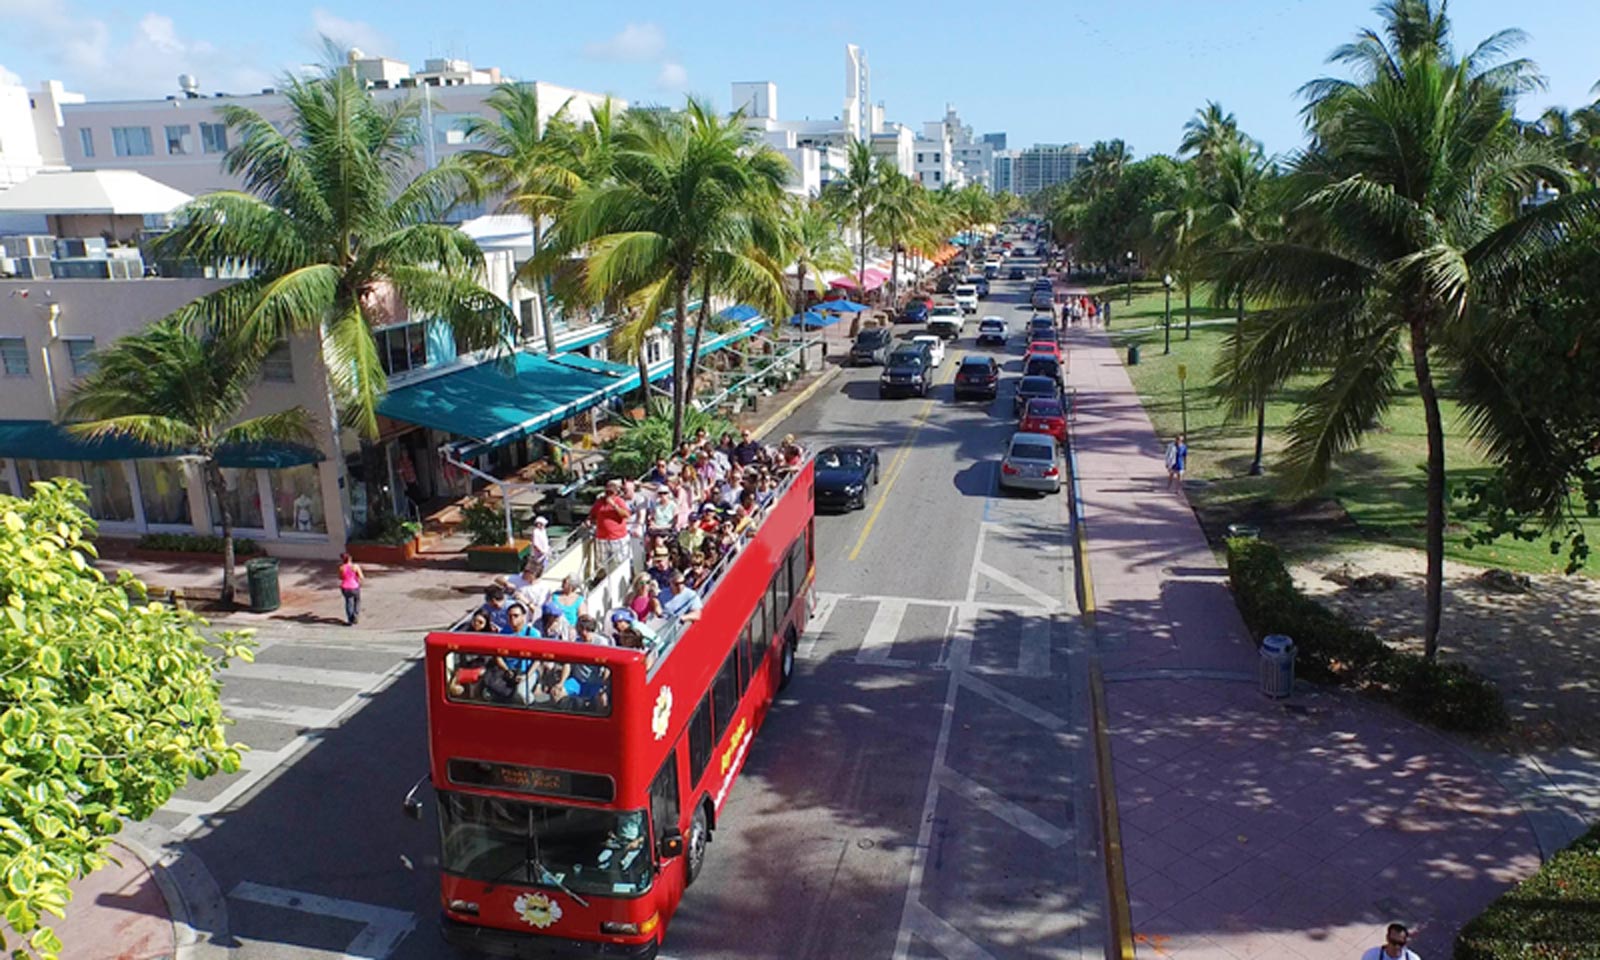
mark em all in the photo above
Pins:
pixel 538 300
pixel 1257 468
pixel 800 292
pixel 861 244
pixel 219 490
pixel 1187 291
pixel 694 351
pixel 894 275
pixel 679 315
pixel 1434 536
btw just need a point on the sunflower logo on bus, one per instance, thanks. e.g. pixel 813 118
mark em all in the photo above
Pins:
pixel 662 716
pixel 537 909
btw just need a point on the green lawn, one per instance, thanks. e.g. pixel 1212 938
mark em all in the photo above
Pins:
pixel 1380 485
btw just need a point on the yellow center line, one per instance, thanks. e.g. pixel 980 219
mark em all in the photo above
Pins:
pixel 895 465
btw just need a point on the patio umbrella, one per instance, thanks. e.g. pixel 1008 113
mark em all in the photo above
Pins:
pixel 811 318
pixel 842 306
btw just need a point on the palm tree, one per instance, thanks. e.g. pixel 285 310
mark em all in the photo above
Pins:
pixel 167 387
pixel 812 243
pixel 856 193
pixel 678 207
pixel 1576 134
pixel 1409 224
pixel 529 163
pixel 894 219
pixel 1207 134
pixel 1178 233
pixel 1103 166
pixel 331 225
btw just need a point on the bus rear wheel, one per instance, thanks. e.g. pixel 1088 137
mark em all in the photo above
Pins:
pixel 695 845
pixel 786 661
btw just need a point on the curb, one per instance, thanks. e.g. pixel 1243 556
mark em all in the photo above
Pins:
pixel 784 411
pixel 197 909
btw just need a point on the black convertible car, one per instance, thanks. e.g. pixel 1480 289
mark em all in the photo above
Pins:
pixel 843 475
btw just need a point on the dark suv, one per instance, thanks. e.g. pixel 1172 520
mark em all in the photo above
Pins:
pixel 907 373
pixel 977 377
pixel 871 347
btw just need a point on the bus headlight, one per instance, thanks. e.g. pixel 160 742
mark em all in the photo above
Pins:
pixel 464 906
pixel 618 928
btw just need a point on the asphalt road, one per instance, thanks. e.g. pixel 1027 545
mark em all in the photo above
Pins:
pixel 920 792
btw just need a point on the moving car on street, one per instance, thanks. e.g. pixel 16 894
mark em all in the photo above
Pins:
pixel 871 347
pixel 946 321
pixel 992 330
pixel 967 298
pixel 843 476
pixel 1045 365
pixel 935 347
pixel 906 374
pixel 916 311
pixel 1018 272
pixel 1029 388
pixel 1030 463
pixel 1044 415
pixel 978 376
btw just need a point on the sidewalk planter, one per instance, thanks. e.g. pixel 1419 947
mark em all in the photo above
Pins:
pixel 370 551
pixel 505 558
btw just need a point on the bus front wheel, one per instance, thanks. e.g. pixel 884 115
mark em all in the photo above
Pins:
pixel 699 835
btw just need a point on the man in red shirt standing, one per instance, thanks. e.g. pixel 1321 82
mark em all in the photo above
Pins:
pixel 609 516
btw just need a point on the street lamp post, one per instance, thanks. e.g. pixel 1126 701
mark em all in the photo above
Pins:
pixel 1166 323
pixel 1130 277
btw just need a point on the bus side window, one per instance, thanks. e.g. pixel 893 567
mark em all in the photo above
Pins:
pixel 664 808
pixel 760 636
pixel 780 595
pixel 774 612
pixel 700 739
pixel 725 694
pixel 746 664
pixel 797 568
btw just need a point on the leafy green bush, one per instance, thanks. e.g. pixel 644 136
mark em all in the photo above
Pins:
pixel 197 543
pixel 1549 916
pixel 643 442
pixel 484 525
pixel 391 531
pixel 1331 649
pixel 99 724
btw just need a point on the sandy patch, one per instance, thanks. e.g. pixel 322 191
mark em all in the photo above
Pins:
pixel 1542 647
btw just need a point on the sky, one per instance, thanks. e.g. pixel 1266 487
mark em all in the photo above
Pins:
pixel 1060 72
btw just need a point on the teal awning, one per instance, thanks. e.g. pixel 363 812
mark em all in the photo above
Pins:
pixel 711 344
pixel 493 403
pixel 44 440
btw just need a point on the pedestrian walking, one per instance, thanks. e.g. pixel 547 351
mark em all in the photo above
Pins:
pixel 1394 945
pixel 1177 460
pixel 609 517
pixel 350 577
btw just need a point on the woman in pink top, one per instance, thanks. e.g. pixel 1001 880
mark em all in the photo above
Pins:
pixel 350 577
pixel 643 599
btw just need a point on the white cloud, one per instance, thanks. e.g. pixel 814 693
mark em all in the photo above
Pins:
pixel 88 54
pixel 348 33
pixel 673 77
pixel 634 43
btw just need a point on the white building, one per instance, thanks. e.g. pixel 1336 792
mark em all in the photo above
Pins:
pixel 1041 165
pixel 30 123
pixel 181 140
pixel 935 164
pixel 897 143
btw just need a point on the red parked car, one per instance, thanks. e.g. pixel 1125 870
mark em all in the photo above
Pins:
pixel 1045 416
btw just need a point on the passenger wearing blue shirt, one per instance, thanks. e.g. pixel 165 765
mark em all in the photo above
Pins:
pixel 494 607
pixel 684 603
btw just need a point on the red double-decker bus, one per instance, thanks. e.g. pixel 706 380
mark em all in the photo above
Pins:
pixel 574 812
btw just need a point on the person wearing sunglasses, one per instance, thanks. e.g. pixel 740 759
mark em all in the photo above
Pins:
pixel 1394 945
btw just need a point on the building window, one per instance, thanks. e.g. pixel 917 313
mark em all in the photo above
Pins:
pixel 14 356
pixel 919 158
pixel 297 499
pixel 131 142
pixel 80 352
pixel 105 484
pixel 403 348
pixel 214 137
pixel 180 139
pixel 243 495
pixel 450 129
pixel 936 176
pixel 936 159
pixel 278 366
pixel 86 138
pixel 164 491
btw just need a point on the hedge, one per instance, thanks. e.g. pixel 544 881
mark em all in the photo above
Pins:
pixel 1331 649
pixel 197 543
pixel 1552 915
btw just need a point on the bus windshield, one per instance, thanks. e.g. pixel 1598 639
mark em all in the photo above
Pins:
pixel 576 849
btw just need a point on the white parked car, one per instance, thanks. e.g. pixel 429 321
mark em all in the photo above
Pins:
pixel 967 298
pixel 935 346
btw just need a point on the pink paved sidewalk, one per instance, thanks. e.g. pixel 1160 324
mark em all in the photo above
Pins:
pixel 117 913
pixel 1254 828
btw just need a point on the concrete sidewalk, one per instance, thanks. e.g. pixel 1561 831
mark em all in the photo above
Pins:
pixel 1253 827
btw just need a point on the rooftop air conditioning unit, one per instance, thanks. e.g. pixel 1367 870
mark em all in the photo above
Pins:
pixel 30 246
pixel 32 268
pixel 77 247
pixel 8 266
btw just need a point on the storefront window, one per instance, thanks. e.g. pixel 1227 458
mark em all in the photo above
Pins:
pixel 5 478
pixel 105 484
pixel 244 499
pixel 297 499
pixel 164 491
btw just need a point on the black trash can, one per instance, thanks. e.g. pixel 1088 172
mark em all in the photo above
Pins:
pixel 262 572
pixel 1133 354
